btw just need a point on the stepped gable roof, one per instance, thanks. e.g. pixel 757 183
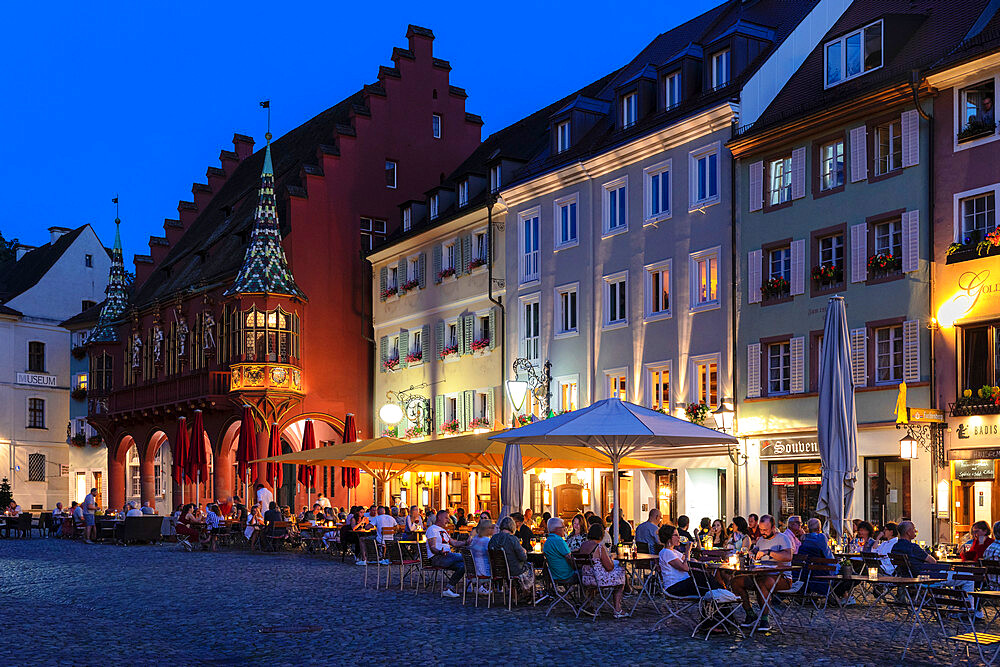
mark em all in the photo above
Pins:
pixel 17 277
pixel 926 31
pixel 213 247
pixel 771 18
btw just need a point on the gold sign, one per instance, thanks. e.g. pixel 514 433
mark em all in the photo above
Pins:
pixel 926 415
pixel 971 286
pixel 256 376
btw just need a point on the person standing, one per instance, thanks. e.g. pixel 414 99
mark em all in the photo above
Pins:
pixel 264 497
pixel 89 516
pixel 323 501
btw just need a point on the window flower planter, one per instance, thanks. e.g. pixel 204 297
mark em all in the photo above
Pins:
pixel 445 273
pixel 883 264
pixel 94 441
pixel 976 129
pixel 525 419
pixel 391 364
pixel 414 357
pixel 409 285
pixel 450 427
pixel 827 275
pixel 696 413
pixel 79 352
pixel 448 351
pixel 480 345
pixel 78 440
pixel 414 432
pixel 476 263
pixel 775 288
pixel 389 292
pixel 78 394
pixel 479 422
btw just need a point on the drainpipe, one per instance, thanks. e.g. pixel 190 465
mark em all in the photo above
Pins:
pixel 733 201
pixel 499 304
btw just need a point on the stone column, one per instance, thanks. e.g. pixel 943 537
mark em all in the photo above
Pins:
pixel 147 482
pixel 116 481
pixel 222 477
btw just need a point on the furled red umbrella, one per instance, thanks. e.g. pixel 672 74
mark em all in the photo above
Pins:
pixel 350 477
pixel 273 470
pixel 197 460
pixel 246 450
pixel 180 454
pixel 307 474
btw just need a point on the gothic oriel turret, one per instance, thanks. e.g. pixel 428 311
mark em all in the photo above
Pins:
pixel 117 296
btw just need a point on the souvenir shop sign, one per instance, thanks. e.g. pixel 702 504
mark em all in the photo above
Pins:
pixel 789 448
pixel 974 469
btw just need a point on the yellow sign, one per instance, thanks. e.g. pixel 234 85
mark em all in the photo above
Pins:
pixel 971 286
pixel 926 415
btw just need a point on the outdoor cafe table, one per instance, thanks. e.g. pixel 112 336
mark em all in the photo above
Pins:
pixel 755 573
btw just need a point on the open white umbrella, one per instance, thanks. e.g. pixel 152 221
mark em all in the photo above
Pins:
pixel 616 429
pixel 837 424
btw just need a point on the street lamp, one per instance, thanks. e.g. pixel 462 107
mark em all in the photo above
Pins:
pixel 405 403
pixel 724 416
pixel 908 447
pixel 517 390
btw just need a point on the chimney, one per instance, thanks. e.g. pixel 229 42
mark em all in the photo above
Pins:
pixel 56 232
pixel 20 250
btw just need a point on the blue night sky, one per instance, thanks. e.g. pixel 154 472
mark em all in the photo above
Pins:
pixel 138 98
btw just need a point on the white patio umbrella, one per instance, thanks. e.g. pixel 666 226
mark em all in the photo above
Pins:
pixel 837 424
pixel 617 429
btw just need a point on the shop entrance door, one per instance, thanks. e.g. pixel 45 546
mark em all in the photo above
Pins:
pixel 794 489
pixel 624 496
pixel 666 495
pixel 887 489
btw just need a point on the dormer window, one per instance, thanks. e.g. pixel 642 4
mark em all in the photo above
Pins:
pixel 630 109
pixel 463 193
pixel 720 69
pixel 562 136
pixel 407 218
pixel 854 54
pixel 672 90
pixel 434 206
pixel 495 178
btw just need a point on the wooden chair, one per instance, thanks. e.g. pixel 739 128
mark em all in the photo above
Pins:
pixel 500 574
pixel 473 576
pixel 41 524
pixel 426 567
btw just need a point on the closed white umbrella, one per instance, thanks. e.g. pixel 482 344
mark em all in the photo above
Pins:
pixel 617 429
pixel 837 424
pixel 511 480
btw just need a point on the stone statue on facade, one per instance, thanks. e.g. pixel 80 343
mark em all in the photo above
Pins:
pixel 208 331
pixel 136 349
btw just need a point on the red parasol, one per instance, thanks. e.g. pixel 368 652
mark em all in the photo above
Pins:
pixel 307 474
pixel 180 453
pixel 197 460
pixel 247 445
pixel 350 477
pixel 273 470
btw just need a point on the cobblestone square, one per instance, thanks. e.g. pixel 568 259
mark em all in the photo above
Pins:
pixel 68 603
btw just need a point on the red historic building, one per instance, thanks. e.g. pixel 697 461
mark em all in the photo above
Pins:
pixel 257 293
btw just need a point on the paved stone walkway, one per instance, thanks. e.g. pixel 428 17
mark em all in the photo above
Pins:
pixel 68 603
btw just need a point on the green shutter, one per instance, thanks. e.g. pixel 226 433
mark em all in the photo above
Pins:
pixel 383 280
pixel 438 412
pixel 469 398
pixel 425 342
pixel 383 351
pixel 422 269
pixel 469 325
pixel 404 346
pixel 401 276
pixel 491 405
pixel 493 327
pixel 438 339
pixel 466 253
pixel 437 263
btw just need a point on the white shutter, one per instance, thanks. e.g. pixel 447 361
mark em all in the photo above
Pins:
pixel 798 281
pixel 797 348
pixel 911 240
pixel 753 370
pixel 911 137
pixel 754 258
pixel 859 357
pixel 859 154
pixel 911 351
pixel 798 173
pixel 756 186
pixel 859 253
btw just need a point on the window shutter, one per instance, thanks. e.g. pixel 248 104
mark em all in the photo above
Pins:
pixel 437 264
pixel 797 348
pixel 798 173
pixel 469 398
pixel 491 405
pixel 438 339
pixel 422 269
pixel 911 240
pixel 404 346
pixel 493 327
pixel 754 259
pixel 383 281
pixel 859 357
pixel 468 323
pixel 383 351
pixel 756 186
pixel 438 412
pixel 911 351
pixel 401 276
pixel 425 342
pixel 859 253
pixel 466 253
pixel 460 411
pixel 753 370
pixel 798 281
pixel 910 123
pixel 859 154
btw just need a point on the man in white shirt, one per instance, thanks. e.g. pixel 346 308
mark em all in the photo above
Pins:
pixel 133 510
pixel 439 544
pixel 264 497
pixel 890 535
pixel 794 532
pixel 382 520
pixel 89 518
pixel 323 501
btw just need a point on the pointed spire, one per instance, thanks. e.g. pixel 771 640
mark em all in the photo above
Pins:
pixel 116 292
pixel 265 269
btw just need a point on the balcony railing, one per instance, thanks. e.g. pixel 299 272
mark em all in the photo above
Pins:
pixel 969 408
pixel 169 390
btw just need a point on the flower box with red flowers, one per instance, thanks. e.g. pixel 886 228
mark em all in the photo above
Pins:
pixel 414 357
pixel 479 422
pixel 78 440
pixel 884 263
pixel 449 350
pixel 445 273
pixel 391 364
pixel 450 426
pixel 476 263
pixel 414 432
pixel 775 288
pixel 94 441
pixel 409 285
pixel 79 352
pixel 78 394
pixel 480 344
pixel 524 419
pixel 696 413
pixel 389 292
pixel 827 274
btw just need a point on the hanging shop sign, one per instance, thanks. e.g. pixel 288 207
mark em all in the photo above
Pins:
pixel 926 415
pixel 978 429
pixel 789 448
pixel 974 469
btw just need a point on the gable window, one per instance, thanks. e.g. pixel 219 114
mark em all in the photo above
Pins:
pixel 407 218
pixel 658 290
pixel 615 206
pixel 888 147
pixel 531 328
pixel 705 370
pixel 781 180
pixel 565 214
pixel 88 261
pixel 566 302
pixel 436 125
pixel 616 299
pixel 672 90
pixel 659 388
pixel 979 215
pixel 630 109
pixel 434 206
pixel 562 136
pixel 495 178
pixel 617 384
pixel 704 271
pixel 977 111
pixel 831 165
pixel 720 68
pixel 529 246
pixel 86 304
pixel 390 174
pixel 36 356
pixel 889 354
pixel 854 54
pixel 36 413
pixel 704 170
pixel 372 231
pixel 779 368
pixel 657 191
pixel 463 193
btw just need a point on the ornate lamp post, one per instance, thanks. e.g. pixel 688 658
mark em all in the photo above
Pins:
pixel 538 384
pixel 409 404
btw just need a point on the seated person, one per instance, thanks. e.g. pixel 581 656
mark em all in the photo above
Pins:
pixel 864 539
pixel 992 552
pixel 973 550
pixel 272 516
pixel 523 530
pixel 772 548
pixel 646 532
pixel 213 524
pixel 677 577
pixel 915 555
pixel 439 545
pixel 517 556
pixel 890 535
pixel 479 547
pixel 815 545
pixel 602 570
pixel 557 554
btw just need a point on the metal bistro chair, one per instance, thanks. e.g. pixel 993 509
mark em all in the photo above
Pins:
pixel 41 524
pixel 600 595
pixel 676 606
pixel 566 594
pixel 23 525
pixel 473 577
pixel 402 558
pixel 992 573
pixel 945 604
pixel 426 567
pixel 710 606
pixel 500 574
pixel 370 556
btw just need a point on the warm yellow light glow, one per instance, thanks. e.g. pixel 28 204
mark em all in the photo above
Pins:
pixel 391 414
pixel 960 304
pixel 585 495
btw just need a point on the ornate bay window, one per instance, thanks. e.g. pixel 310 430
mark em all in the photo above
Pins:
pixel 266 349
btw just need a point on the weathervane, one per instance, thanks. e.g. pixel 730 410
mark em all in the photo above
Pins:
pixel 114 201
pixel 266 104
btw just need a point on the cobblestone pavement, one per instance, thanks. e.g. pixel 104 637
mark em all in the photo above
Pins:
pixel 69 603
